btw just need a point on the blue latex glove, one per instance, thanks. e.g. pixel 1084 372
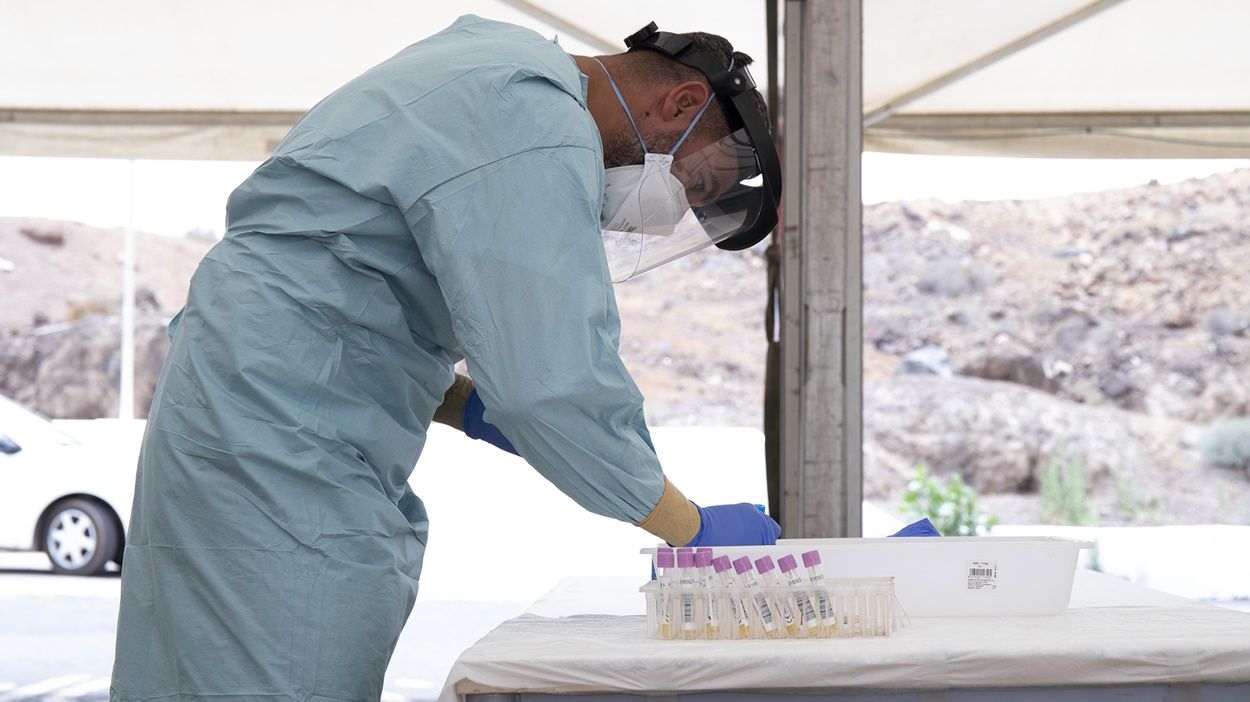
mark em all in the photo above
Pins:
pixel 924 527
pixel 478 428
pixel 735 525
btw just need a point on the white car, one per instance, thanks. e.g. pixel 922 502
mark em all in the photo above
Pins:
pixel 66 488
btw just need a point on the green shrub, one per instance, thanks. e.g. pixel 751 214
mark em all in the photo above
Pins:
pixel 950 504
pixel 1138 509
pixel 1094 559
pixel 1226 443
pixel 1063 489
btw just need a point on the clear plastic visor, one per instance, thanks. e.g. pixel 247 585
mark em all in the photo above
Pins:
pixel 723 192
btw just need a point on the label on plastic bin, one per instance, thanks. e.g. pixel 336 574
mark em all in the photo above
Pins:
pixel 982 575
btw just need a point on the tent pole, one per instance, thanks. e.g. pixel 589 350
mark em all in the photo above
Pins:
pixel 822 328
pixel 126 391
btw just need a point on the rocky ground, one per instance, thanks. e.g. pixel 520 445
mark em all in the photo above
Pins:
pixel 1105 330
pixel 53 271
pixel 59 329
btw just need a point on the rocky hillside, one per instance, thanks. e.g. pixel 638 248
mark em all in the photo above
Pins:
pixel 1134 298
pixel 59 329
pixel 62 271
pixel 1105 330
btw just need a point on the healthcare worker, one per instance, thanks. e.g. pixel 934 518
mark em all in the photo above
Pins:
pixel 456 201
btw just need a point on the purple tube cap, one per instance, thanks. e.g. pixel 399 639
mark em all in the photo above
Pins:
pixel 811 559
pixel 703 558
pixel 742 565
pixel 765 564
pixel 685 559
pixel 721 564
pixel 787 563
pixel 685 549
pixel 664 558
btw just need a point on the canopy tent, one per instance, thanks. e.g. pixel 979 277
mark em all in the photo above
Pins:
pixel 224 80
pixel 1088 78
pixel 1107 78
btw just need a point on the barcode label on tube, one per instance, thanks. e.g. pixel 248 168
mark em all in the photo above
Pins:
pixel 982 575
pixel 826 610
pixel 766 612
pixel 809 612
pixel 743 618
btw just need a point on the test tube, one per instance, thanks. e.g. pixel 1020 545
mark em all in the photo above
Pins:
pixel 881 612
pixel 664 564
pixel 737 604
pixel 768 570
pixel 807 611
pixel 896 609
pixel 824 605
pixel 711 622
pixel 686 594
pixel 751 585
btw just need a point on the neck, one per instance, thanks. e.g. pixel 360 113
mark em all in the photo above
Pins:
pixel 600 99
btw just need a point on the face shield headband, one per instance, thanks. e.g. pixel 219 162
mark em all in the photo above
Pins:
pixel 754 207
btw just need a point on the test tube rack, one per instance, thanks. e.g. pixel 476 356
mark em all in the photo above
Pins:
pixel 697 596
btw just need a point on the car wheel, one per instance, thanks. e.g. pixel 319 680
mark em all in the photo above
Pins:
pixel 79 537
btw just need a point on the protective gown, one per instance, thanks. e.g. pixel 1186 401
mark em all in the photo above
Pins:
pixel 445 204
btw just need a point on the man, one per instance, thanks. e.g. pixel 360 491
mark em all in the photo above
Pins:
pixel 446 204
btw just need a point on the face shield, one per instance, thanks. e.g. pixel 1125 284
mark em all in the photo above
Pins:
pixel 726 193
pixel 666 208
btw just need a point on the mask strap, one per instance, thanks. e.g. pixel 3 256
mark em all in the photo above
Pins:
pixel 693 122
pixel 698 116
pixel 621 99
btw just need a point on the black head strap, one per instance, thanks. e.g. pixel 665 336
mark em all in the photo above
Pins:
pixel 733 86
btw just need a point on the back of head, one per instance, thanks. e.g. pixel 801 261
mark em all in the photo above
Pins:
pixel 653 68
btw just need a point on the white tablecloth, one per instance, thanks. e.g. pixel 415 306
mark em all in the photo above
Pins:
pixel 1114 633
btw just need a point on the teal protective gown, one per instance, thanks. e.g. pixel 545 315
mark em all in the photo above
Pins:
pixel 443 205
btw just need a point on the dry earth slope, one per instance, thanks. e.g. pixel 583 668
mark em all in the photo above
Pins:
pixel 1107 329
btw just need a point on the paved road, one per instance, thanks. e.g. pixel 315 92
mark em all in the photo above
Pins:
pixel 56 636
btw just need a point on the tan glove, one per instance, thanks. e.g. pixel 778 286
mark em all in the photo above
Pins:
pixel 451 412
pixel 674 518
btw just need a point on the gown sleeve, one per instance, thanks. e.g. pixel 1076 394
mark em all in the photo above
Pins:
pixel 516 248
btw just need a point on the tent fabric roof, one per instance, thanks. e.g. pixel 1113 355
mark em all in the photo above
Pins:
pixel 1144 78
pixel 224 80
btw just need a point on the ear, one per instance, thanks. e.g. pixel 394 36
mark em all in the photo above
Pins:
pixel 682 101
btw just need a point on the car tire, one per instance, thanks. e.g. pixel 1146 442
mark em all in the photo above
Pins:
pixel 80 537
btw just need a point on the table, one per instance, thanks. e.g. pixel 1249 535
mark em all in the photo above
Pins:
pixel 1116 642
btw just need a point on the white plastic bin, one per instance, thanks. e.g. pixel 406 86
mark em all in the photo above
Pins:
pixel 949 576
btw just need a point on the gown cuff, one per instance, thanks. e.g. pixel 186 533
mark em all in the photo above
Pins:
pixel 674 519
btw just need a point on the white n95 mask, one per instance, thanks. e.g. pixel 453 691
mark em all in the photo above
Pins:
pixel 726 193
pixel 646 199
pixel 645 207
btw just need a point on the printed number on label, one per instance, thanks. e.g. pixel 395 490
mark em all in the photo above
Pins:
pixel 982 575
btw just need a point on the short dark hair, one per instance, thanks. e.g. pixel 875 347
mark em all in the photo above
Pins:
pixel 655 67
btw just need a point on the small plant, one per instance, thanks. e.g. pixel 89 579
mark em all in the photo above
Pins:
pixel 1063 489
pixel 1140 510
pixel 1226 443
pixel 950 504
pixel 1094 560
